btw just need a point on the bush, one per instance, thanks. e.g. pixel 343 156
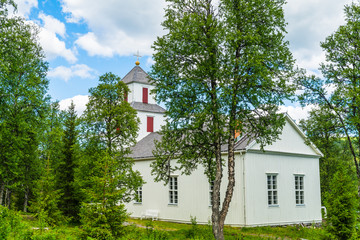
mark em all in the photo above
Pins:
pixel 11 225
pixel 102 222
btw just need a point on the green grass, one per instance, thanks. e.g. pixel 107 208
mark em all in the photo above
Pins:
pixel 182 231
pixel 160 230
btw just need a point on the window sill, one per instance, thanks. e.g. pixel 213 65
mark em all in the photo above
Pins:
pixel 172 204
pixel 300 205
pixel 274 206
pixel 138 203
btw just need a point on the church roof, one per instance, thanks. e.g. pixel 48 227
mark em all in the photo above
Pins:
pixel 143 149
pixel 137 74
pixel 147 107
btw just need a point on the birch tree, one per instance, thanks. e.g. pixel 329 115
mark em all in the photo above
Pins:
pixel 220 69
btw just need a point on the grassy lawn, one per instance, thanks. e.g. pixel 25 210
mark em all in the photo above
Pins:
pixel 159 230
pixel 194 231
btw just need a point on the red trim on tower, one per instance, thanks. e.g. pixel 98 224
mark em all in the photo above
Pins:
pixel 145 95
pixel 150 124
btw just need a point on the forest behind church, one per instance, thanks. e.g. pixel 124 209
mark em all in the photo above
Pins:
pixel 60 169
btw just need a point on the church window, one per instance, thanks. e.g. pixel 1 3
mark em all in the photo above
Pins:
pixel 211 191
pixel 299 190
pixel 173 190
pixel 145 95
pixel 272 189
pixel 150 124
pixel 138 195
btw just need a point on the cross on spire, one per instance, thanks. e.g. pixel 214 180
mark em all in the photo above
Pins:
pixel 137 55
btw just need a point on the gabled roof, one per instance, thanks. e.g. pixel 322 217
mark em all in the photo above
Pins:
pixel 137 74
pixel 147 107
pixel 143 149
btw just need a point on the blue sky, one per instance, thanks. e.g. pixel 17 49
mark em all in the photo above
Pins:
pixel 83 39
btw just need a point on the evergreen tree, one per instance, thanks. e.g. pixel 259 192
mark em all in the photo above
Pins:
pixel 110 126
pixel 45 204
pixel 220 69
pixel 69 202
pixel 342 205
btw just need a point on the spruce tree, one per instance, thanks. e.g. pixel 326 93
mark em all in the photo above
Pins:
pixel 65 172
pixel 342 204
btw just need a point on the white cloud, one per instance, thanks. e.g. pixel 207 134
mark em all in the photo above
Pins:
pixel 53 25
pixel 297 112
pixel 117 27
pixel 24 7
pixel 54 47
pixel 80 102
pixel 90 43
pixel 78 70
pixel 309 23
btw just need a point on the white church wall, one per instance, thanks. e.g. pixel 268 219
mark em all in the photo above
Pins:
pixel 258 212
pixel 159 121
pixel 136 91
pixel 194 196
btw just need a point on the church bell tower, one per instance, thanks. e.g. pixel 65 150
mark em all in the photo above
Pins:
pixel 151 115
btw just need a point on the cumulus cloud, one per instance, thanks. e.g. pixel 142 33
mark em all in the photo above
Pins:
pixel 52 45
pixel 24 7
pixel 78 70
pixel 309 23
pixel 53 25
pixel 80 102
pixel 117 27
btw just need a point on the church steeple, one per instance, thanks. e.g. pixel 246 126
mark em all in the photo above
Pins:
pixel 140 97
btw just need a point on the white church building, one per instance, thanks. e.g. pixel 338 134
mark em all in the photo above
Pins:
pixel 278 186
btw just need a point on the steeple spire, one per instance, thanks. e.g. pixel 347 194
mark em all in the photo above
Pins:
pixel 137 60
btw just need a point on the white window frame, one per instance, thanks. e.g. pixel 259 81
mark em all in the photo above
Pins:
pixel 272 189
pixel 299 181
pixel 173 190
pixel 211 192
pixel 139 196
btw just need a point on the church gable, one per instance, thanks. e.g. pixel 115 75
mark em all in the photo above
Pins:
pixel 291 140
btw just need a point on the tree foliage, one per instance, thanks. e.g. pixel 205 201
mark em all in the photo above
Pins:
pixel 110 126
pixel 23 103
pixel 219 70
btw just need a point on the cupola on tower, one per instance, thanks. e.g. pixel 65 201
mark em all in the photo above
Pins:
pixel 151 115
